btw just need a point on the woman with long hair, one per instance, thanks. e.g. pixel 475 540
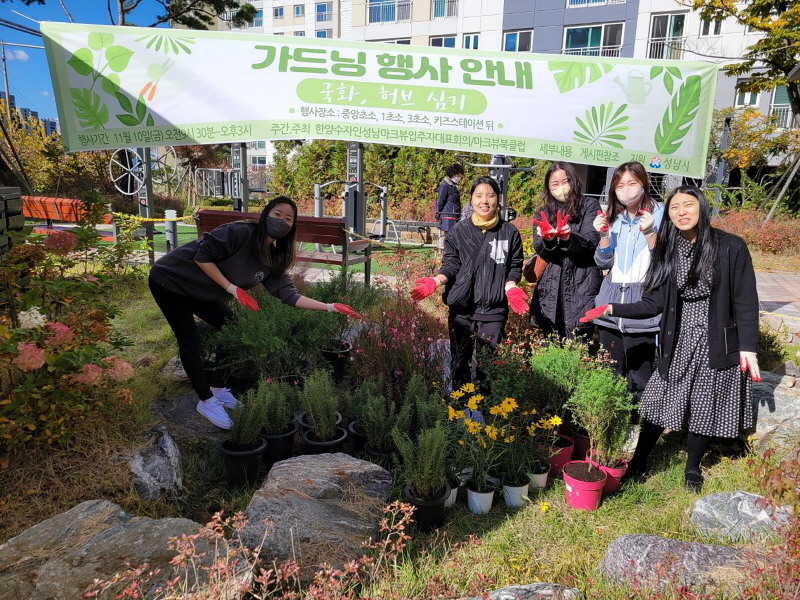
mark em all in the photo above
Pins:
pixel 701 281
pixel 627 235
pixel 193 280
pixel 481 267
pixel 566 239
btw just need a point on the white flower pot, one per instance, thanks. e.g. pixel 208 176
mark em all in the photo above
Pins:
pixel 515 495
pixel 479 503
pixel 451 499
pixel 538 480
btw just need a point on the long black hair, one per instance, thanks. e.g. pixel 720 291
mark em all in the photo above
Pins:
pixel 280 255
pixel 573 205
pixel 664 263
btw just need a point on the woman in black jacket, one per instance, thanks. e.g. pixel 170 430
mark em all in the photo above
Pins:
pixel 448 203
pixel 566 239
pixel 481 267
pixel 702 281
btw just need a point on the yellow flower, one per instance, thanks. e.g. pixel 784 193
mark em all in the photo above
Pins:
pixel 534 411
pixel 473 402
pixel 555 421
pixel 491 431
pixel 532 430
pixel 544 507
pixel 482 443
pixel 455 395
pixel 510 404
pixel 509 439
pixel 495 410
pixel 453 414
pixel 473 427
pixel 461 442
pixel 468 388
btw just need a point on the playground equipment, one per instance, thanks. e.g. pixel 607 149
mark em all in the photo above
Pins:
pixel 500 169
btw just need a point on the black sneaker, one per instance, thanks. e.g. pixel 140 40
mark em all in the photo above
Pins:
pixel 693 480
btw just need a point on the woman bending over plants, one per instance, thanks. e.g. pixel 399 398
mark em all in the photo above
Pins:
pixel 194 279
pixel 701 281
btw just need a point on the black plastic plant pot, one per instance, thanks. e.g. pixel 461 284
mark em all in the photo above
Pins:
pixel 338 359
pixel 281 446
pixel 428 514
pixel 315 446
pixel 241 464
pixel 359 439
pixel 303 421
pixel 379 457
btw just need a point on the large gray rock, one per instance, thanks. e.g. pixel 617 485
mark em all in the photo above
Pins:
pixel 532 591
pixel 174 371
pixel 735 516
pixel 156 468
pixel 320 508
pixel 61 557
pixel 655 562
pixel 184 422
pixel 778 410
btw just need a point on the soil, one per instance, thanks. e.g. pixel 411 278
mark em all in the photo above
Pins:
pixel 579 471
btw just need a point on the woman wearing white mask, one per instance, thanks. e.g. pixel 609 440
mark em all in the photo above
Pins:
pixel 565 238
pixel 627 234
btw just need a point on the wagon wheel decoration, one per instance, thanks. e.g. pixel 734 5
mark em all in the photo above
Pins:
pixel 162 164
pixel 126 169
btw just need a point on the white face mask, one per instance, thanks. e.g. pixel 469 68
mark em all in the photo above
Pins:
pixel 561 193
pixel 630 195
pixel 455 178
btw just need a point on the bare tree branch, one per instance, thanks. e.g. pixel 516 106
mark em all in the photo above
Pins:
pixel 110 14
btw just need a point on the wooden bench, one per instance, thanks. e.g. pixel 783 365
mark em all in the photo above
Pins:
pixel 312 230
pixel 48 209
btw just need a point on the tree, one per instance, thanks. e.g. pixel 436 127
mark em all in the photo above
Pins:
pixel 194 14
pixel 768 62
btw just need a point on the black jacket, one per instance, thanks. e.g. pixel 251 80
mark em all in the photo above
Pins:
pixel 732 311
pixel 448 205
pixel 571 270
pixel 498 260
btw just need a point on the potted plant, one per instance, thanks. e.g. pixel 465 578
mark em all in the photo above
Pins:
pixel 318 400
pixel 423 466
pixel 370 387
pixel 377 417
pixel 241 452
pixel 602 405
pixel 278 427
pixel 426 408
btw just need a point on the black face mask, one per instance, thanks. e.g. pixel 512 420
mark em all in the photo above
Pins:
pixel 277 228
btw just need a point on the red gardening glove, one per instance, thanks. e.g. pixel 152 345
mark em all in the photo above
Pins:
pixel 346 310
pixel 517 300
pixel 546 230
pixel 425 287
pixel 646 221
pixel 600 222
pixel 562 228
pixel 246 299
pixel 596 313
pixel 749 361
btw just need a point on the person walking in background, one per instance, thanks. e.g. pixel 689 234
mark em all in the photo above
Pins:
pixel 448 204
pixel 627 235
pixel 701 280
pixel 481 267
pixel 565 238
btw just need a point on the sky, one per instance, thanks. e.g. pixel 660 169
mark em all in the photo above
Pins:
pixel 28 74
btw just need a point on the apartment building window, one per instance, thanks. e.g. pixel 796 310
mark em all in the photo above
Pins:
pixel 441 9
pixel 324 12
pixel 708 28
pixel 388 11
pixel 299 34
pixel 518 41
pixel 299 10
pixel 746 99
pixel 583 3
pixel 277 12
pixel 258 161
pixel 325 33
pixel 471 41
pixel 781 107
pixel 594 40
pixel 258 20
pixel 262 145
pixel 401 42
pixel 666 36
pixel 444 42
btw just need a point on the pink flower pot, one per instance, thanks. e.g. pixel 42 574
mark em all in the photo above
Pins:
pixel 614 475
pixel 563 455
pixel 583 495
pixel 582 445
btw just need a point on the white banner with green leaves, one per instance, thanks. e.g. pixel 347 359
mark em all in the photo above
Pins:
pixel 124 86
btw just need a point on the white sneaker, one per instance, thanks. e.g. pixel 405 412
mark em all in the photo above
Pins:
pixel 212 410
pixel 224 396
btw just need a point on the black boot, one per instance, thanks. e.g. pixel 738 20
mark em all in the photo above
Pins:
pixel 693 479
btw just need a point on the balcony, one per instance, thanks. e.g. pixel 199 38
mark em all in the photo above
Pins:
pixel 669 48
pixel 324 16
pixel 784 114
pixel 388 11
pixel 585 3
pixel 443 9
pixel 594 51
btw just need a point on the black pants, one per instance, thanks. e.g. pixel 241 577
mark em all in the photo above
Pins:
pixel 696 447
pixel 464 330
pixel 179 311
pixel 633 356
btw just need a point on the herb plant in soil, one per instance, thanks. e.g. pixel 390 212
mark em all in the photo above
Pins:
pixel 242 450
pixel 319 404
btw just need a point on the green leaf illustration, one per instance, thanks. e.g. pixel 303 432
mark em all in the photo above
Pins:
pixel 167 43
pixel 668 83
pixel 90 110
pixel 118 58
pixel 82 61
pixel 98 41
pixel 572 75
pixel 124 102
pixel 128 120
pixel 679 116
pixel 655 72
pixel 150 120
pixel 603 126
pixel 675 72
pixel 141 108
pixel 110 83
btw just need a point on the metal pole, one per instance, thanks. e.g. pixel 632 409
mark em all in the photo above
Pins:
pixel 319 207
pixel 783 189
pixel 384 197
pixel 5 82
pixel 721 167
pixel 245 181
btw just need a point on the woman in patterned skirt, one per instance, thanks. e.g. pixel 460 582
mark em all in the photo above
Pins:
pixel 701 281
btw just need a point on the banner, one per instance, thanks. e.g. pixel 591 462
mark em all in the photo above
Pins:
pixel 125 86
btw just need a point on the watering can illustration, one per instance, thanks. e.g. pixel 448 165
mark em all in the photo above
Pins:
pixel 637 88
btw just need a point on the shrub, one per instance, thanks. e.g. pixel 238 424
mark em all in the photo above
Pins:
pixel 781 234
pixel 246 421
pixel 556 366
pixel 377 416
pixel 318 400
pixel 425 405
pixel 277 399
pixel 771 352
pixel 422 461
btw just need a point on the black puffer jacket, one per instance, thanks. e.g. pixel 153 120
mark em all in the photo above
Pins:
pixel 571 270
pixel 499 260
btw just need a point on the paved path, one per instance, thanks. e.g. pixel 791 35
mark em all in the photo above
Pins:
pixel 779 297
